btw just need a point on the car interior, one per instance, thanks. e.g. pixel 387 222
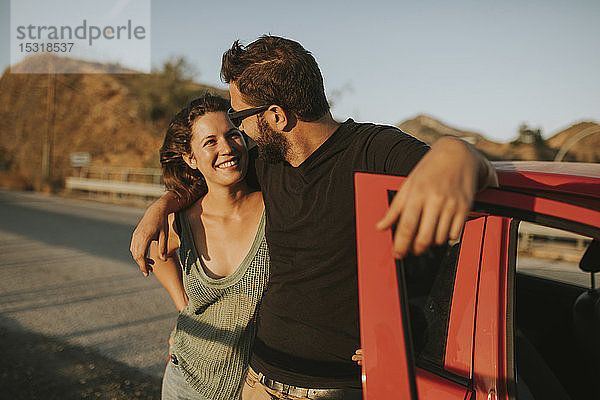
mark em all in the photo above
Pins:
pixel 557 334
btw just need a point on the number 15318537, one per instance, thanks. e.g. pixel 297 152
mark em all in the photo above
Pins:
pixel 34 47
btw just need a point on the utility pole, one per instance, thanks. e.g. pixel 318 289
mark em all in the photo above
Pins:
pixel 48 144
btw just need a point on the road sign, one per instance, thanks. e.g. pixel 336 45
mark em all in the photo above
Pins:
pixel 80 159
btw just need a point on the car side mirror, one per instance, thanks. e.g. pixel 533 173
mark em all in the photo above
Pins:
pixel 590 262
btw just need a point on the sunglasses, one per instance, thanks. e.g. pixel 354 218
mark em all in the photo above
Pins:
pixel 237 117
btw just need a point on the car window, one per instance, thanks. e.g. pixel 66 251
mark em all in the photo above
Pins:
pixel 551 253
pixel 556 325
pixel 430 282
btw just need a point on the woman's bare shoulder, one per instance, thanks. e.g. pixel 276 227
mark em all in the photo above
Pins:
pixel 256 204
pixel 258 197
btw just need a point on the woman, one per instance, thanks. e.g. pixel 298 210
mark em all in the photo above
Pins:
pixel 223 253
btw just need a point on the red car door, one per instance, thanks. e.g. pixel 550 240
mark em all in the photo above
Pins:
pixel 475 361
pixel 389 370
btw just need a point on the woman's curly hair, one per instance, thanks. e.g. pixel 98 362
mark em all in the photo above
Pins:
pixel 186 182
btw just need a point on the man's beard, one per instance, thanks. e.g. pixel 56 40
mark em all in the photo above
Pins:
pixel 272 145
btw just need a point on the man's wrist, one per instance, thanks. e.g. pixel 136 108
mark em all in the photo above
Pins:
pixel 455 144
pixel 485 173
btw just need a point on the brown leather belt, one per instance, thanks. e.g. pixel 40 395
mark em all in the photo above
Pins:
pixel 295 391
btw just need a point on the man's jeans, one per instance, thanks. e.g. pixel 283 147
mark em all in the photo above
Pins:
pixel 254 390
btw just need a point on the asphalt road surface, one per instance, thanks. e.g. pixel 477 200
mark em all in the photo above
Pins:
pixel 66 273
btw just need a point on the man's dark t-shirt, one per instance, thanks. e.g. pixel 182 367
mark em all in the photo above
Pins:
pixel 308 327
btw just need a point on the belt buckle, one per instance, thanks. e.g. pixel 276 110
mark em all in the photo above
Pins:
pixel 295 390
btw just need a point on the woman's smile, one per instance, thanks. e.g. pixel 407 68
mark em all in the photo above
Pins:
pixel 234 162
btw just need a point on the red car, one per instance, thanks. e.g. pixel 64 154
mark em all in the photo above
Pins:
pixel 509 311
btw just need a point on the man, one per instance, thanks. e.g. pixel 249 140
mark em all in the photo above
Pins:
pixel 308 324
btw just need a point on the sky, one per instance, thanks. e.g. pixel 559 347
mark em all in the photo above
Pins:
pixel 485 66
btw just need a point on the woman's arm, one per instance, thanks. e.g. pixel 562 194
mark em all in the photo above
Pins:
pixel 168 271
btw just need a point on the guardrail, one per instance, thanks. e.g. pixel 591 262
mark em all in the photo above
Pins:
pixel 118 182
pixel 147 175
pixel 531 233
pixel 105 186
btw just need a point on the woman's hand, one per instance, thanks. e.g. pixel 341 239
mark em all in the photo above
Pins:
pixel 358 356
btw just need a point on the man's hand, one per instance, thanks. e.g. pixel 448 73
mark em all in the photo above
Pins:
pixel 433 203
pixel 154 226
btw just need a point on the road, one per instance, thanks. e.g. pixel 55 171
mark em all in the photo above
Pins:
pixel 66 273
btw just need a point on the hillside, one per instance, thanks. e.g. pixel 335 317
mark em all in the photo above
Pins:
pixel 50 62
pixel 112 116
pixel 587 149
pixel 429 130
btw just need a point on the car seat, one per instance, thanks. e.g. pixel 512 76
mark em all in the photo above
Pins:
pixel 586 310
